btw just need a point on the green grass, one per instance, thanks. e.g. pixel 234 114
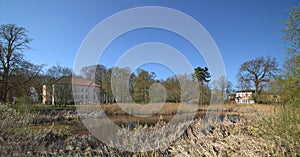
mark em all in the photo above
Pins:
pixel 283 127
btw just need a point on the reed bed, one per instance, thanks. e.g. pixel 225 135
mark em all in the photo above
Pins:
pixel 245 137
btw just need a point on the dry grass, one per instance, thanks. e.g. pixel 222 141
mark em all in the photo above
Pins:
pixel 173 108
pixel 231 139
pixel 247 137
pixel 250 108
pixel 151 109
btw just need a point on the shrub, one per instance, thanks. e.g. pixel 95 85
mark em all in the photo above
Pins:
pixel 25 100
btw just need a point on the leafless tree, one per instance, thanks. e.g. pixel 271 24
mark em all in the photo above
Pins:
pixel 258 72
pixel 93 73
pixel 63 89
pixel 26 76
pixel 58 71
pixel 13 41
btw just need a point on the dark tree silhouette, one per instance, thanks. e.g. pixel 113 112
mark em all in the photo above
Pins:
pixel 258 71
pixel 202 76
pixel 13 40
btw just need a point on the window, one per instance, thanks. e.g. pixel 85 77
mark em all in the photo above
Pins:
pixel 81 89
pixel 247 94
pixel 86 96
pixel 86 90
pixel 94 97
pixel 81 96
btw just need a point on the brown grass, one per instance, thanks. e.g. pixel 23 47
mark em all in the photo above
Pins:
pixel 151 109
pixel 173 108
pixel 247 137
pixel 250 108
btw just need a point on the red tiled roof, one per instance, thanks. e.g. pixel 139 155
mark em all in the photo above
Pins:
pixel 247 90
pixel 76 81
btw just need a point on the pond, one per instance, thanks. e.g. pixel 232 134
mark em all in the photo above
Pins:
pixel 76 125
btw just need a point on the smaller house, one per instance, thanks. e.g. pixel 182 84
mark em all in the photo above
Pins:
pixel 244 97
pixel 70 90
pixel 231 98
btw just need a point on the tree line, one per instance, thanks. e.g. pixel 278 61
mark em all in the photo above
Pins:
pixel 137 85
pixel 18 76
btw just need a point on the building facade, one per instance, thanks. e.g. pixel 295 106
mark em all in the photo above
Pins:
pixel 70 90
pixel 244 97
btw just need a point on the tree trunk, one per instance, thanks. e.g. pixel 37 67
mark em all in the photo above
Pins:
pixel 4 85
pixel 256 88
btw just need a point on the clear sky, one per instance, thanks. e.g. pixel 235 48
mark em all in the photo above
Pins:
pixel 242 29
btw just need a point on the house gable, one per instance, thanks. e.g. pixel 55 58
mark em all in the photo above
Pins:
pixel 244 97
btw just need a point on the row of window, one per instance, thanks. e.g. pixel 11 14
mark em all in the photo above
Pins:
pixel 244 101
pixel 241 95
pixel 84 89
pixel 84 97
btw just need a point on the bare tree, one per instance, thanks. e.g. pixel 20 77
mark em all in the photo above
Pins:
pixel 63 91
pixel 13 40
pixel 120 84
pixel 25 77
pixel 229 87
pixel 258 72
pixel 94 72
pixel 58 71
pixel 219 87
pixel 243 84
pixel 63 88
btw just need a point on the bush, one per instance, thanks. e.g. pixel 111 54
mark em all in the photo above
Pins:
pixel 25 100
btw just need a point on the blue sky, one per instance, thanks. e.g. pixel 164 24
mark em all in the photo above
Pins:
pixel 242 30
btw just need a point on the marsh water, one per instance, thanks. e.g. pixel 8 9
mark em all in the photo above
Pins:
pixel 77 126
pixel 124 120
